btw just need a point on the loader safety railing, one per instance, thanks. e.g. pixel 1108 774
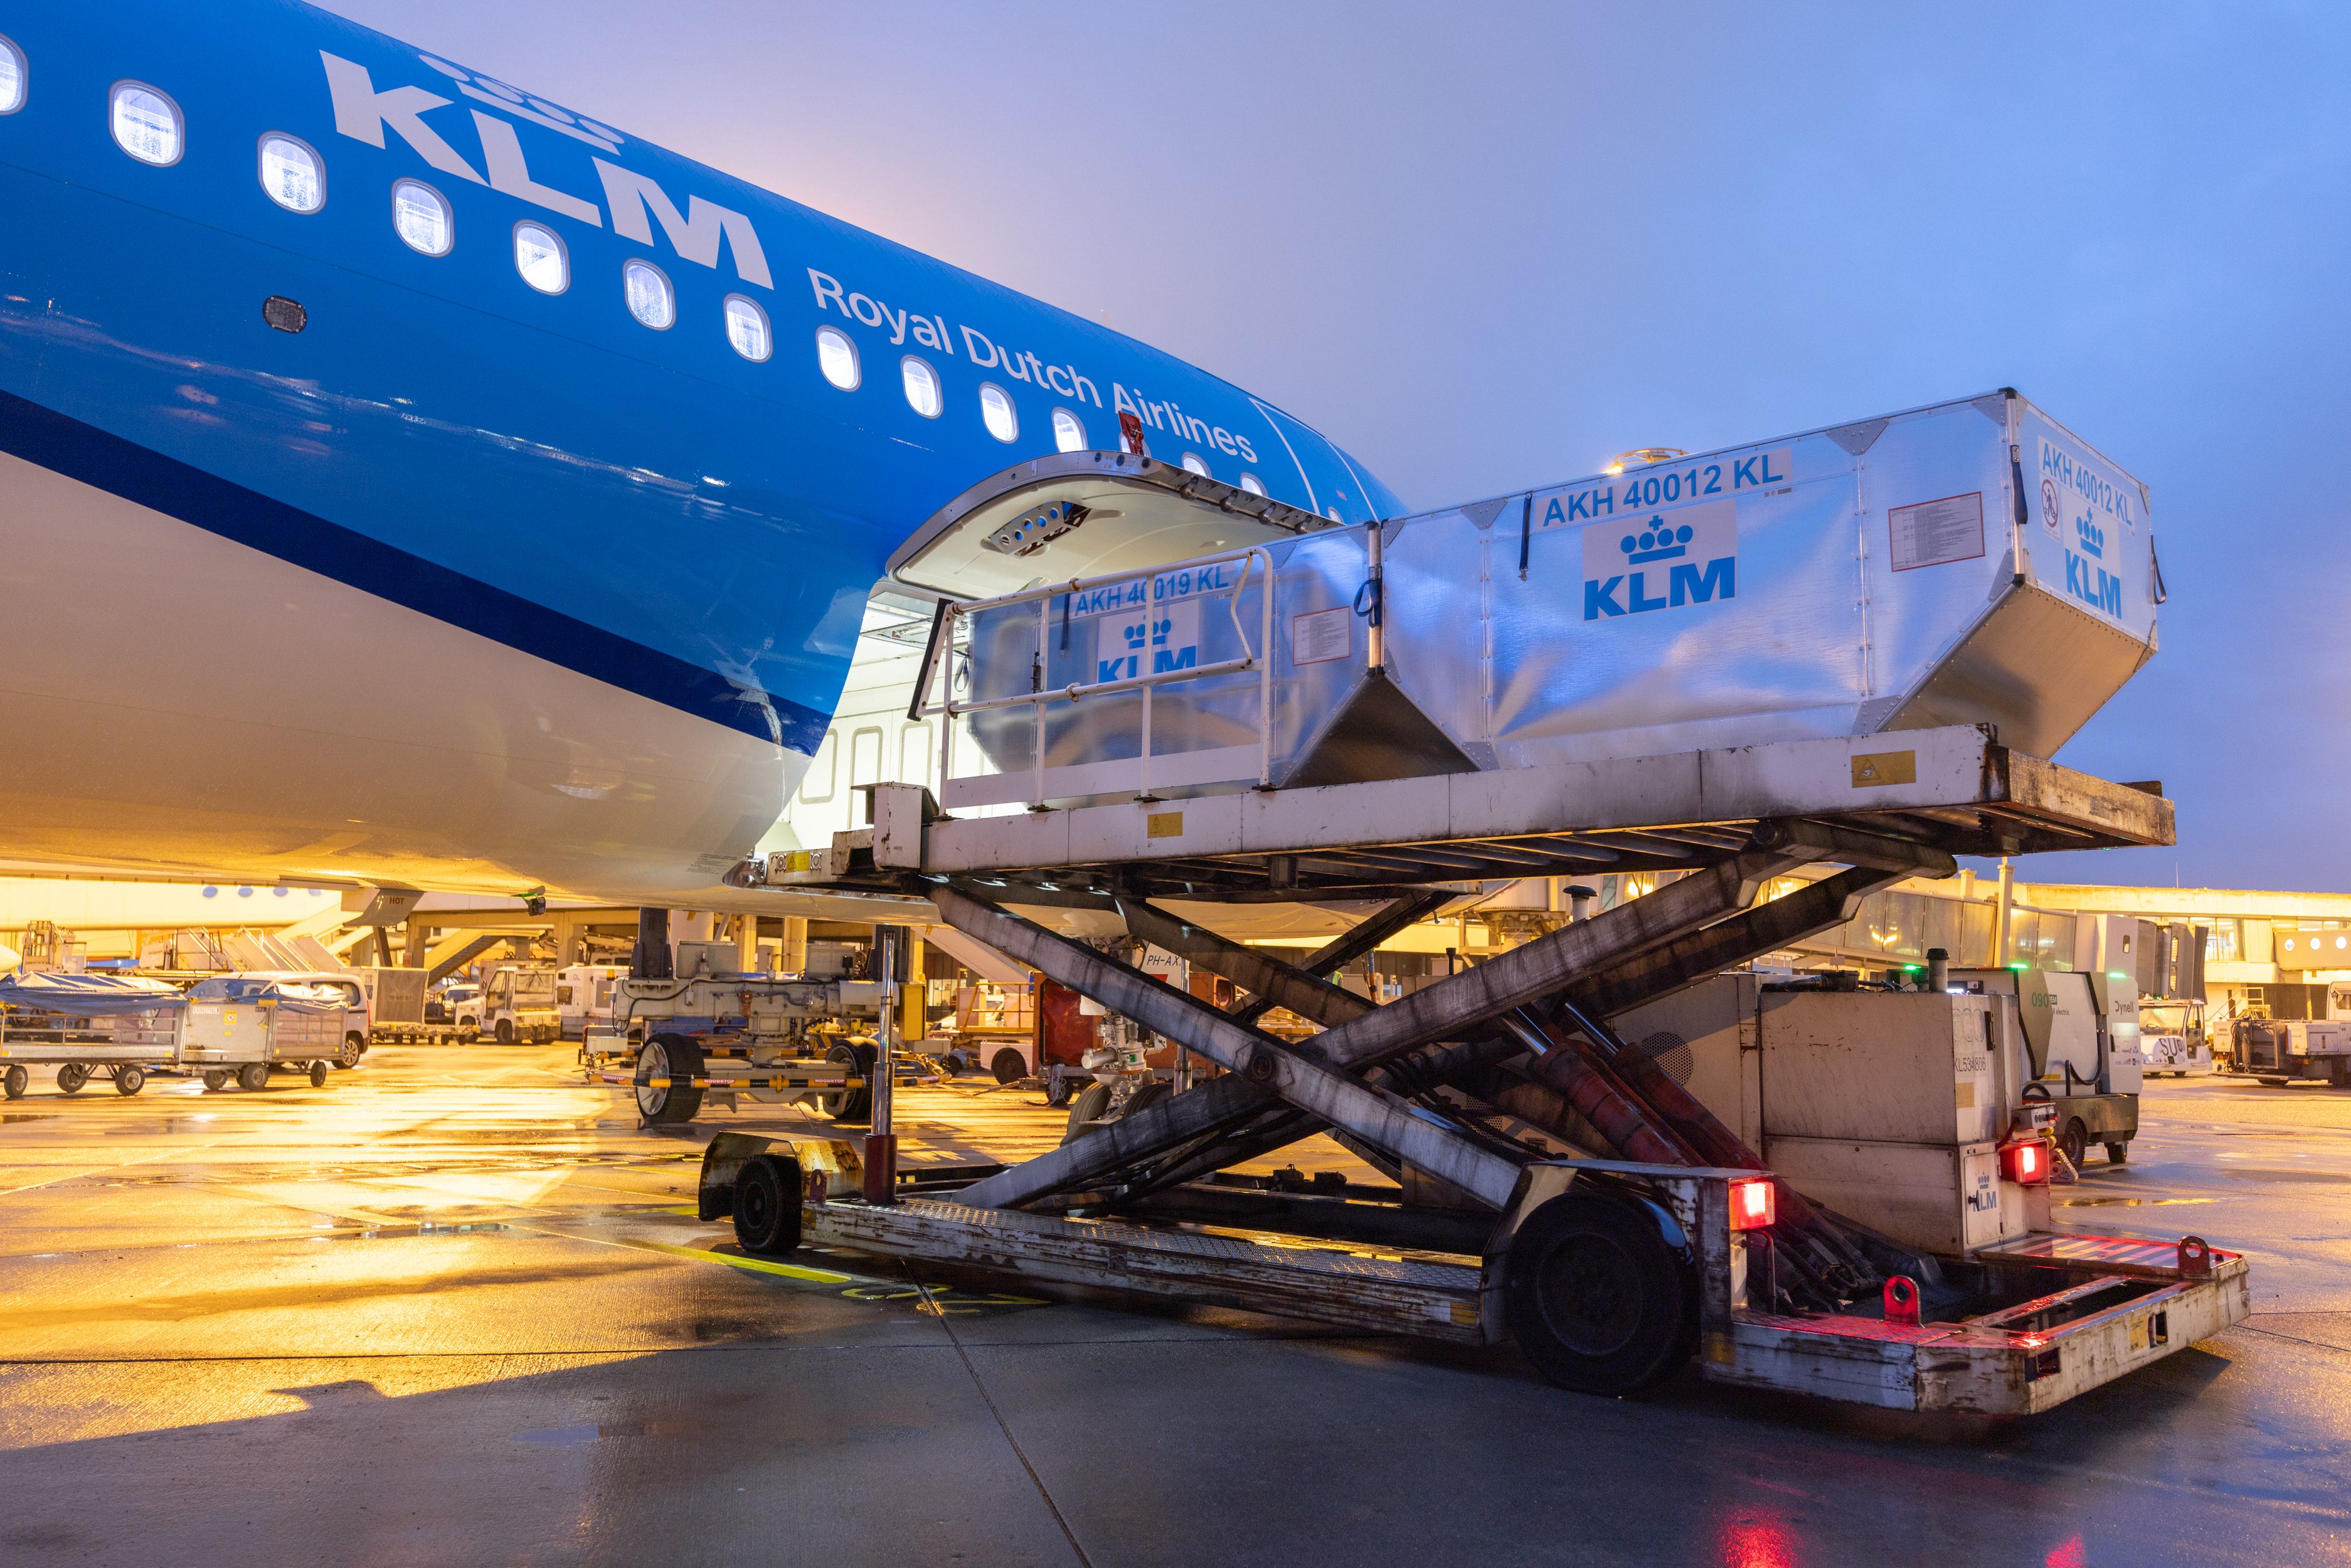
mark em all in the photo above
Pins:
pixel 935 683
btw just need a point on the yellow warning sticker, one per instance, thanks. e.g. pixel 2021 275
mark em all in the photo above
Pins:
pixel 1164 825
pixel 1875 767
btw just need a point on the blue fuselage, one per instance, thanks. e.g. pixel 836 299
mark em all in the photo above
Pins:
pixel 643 507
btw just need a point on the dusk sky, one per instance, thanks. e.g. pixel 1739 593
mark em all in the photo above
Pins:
pixel 1485 247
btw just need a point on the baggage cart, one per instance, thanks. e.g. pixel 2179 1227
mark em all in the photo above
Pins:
pixel 120 1028
pixel 241 1028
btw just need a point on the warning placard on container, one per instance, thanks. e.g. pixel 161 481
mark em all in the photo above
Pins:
pixel 1934 532
pixel 1322 636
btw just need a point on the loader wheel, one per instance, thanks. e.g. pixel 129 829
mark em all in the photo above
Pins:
pixel 1008 1066
pixel 214 1079
pixel 1598 1298
pixel 668 1057
pixel 767 1206
pixel 253 1077
pixel 505 1031
pixel 2075 1142
pixel 129 1078
pixel 71 1076
pixel 2117 1152
pixel 856 1104
pixel 16 1082
pixel 1088 1105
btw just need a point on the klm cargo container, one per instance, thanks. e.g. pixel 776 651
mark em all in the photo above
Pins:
pixel 1967 562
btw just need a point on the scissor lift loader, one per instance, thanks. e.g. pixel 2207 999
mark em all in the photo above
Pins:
pixel 1370 714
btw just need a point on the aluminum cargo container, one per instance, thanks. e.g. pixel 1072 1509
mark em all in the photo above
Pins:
pixel 1967 562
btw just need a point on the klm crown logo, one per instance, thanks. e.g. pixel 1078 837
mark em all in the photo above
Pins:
pixel 1657 542
pixel 2093 538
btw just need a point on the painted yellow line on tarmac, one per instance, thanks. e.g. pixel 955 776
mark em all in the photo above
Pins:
pixel 734 1261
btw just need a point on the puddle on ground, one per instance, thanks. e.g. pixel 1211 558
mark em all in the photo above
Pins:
pixel 28 1116
pixel 2128 1202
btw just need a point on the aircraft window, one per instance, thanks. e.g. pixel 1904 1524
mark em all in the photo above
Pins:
pixel 1191 461
pixel 747 328
pixel 837 357
pixel 292 175
pixel 652 300
pixel 1069 432
pixel 421 216
pixel 1253 484
pixel 922 387
pixel 539 257
pixel 1332 513
pixel 996 409
pixel 11 77
pixel 146 124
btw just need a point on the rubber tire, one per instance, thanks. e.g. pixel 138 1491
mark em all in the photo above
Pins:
pixel 767 1206
pixel 2117 1152
pixel 505 1031
pixel 129 1078
pixel 214 1079
pixel 253 1077
pixel 71 1076
pixel 1145 1096
pixel 2075 1142
pixel 318 1075
pixel 1582 1251
pixel 1008 1066
pixel 1089 1103
pixel 667 1056
pixel 353 1049
pixel 857 1104
pixel 16 1082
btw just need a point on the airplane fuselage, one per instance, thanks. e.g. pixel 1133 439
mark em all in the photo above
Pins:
pixel 488 502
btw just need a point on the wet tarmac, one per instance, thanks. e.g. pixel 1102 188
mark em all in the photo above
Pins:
pixel 456 1308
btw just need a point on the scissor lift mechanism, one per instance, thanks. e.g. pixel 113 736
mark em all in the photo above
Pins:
pixel 1472 1088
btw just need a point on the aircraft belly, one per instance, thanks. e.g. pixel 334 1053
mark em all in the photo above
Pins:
pixel 176 700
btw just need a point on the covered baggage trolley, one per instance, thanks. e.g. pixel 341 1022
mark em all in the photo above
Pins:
pixel 119 1026
pixel 242 1025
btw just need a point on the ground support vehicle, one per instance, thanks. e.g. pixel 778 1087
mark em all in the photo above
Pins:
pixel 2278 1051
pixel 583 997
pixel 518 1005
pixel 720 1039
pixel 1551 1184
pixel 2077 1064
pixel 244 1027
pixel 120 1028
pixel 2172 1038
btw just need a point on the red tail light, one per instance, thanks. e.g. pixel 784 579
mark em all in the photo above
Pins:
pixel 1753 1205
pixel 2026 1163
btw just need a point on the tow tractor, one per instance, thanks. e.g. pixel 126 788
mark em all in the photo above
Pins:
pixel 712 1035
pixel 1539 685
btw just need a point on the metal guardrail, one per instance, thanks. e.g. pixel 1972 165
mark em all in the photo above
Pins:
pixel 939 662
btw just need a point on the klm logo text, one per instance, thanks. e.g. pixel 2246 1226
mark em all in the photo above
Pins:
pixel 1659 557
pixel 2087 578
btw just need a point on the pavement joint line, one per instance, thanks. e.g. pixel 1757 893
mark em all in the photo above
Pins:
pixel 1002 1426
pixel 101 1170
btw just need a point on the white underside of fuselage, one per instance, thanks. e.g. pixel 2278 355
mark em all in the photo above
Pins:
pixel 174 702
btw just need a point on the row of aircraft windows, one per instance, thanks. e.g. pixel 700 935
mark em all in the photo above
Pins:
pixel 836 356
pixel 148 125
